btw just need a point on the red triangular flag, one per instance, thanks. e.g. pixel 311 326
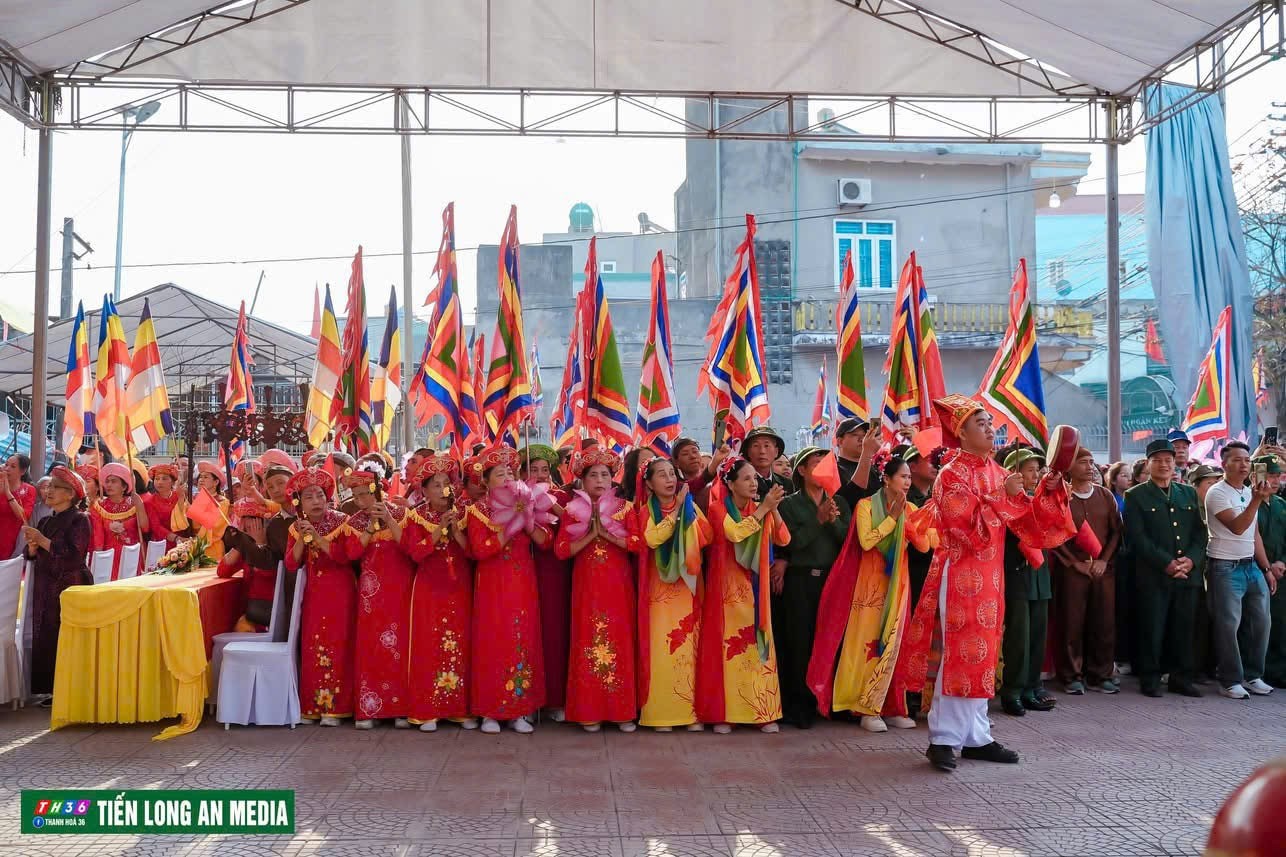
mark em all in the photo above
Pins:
pixel 205 512
pixel 317 318
pixel 827 474
pixel 1152 343
pixel 1087 540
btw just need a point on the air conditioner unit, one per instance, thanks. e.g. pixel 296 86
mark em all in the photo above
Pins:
pixel 850 191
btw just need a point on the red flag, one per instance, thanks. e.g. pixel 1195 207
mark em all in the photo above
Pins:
pixel 205 512
pixel 1087 540
pixel 1152 343
pixel 826 473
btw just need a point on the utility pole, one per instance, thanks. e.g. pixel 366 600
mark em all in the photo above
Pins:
pixel 70 240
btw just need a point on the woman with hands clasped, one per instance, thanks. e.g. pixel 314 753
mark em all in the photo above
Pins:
pixel 596 537
pixel 119 517
pixel 441 598
pixel 17 502
pixel 736 660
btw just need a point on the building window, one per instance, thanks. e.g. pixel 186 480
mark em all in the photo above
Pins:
pixel 1056 270
pixel 873 244
pixel 607 267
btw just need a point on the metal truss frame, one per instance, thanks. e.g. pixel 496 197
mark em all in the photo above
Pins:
pixel 91 93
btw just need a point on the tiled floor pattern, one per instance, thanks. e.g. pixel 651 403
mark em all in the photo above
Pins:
pixel 1101 775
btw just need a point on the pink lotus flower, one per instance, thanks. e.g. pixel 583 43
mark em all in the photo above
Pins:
pixel 580 511
pixel 519 507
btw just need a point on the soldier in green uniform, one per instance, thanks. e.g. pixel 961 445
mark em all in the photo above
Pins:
pixel 1167 540
pixel 818 526
pixel 1027 595
pixel 1272 532
pixel 761 448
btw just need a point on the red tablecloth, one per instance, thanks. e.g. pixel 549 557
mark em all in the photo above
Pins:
pixel 221 600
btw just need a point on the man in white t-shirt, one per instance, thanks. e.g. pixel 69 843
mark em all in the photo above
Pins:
pixel 1237 580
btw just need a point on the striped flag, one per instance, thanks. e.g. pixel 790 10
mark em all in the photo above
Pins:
pixel 607 409
pixel 736 370
pixel 239 394
pixel 570 409
pixel 537 388
pixel 386 379
pixel 484 420
pixel 110 418
pixel 508 397
pixel 656 419
pixel 352 418
pixel 1012 386
pixel 146 399
pixel 932 384
pixel 821 405
pixel 1208 410
pixel 326 368
pixel 443 384
pixel 850 377
pixel 78 415
pixel 912 365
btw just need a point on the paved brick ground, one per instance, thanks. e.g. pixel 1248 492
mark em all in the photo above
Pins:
pixel 1100 776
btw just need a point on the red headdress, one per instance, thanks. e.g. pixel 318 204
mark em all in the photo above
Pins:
pixel 70 479
pixel 494 456
pixel 593 456
pixel 435 464
pixel 250 507
pixel 312 477
pixel 170 470
pixel 953 409
pixel 87 472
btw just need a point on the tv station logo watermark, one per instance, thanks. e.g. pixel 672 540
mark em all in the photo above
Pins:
pixel 212 811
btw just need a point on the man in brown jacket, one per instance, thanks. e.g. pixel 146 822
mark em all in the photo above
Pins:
pixel 1085 585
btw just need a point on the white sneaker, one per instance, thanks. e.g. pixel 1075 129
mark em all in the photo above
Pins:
pixel 330 721
pixel 723 729
pixel 1234 692
pixel 469 723
pixel 696 727
pixel 1122 669
pixel 1259 687
pixel 900 722
pixel 591 727
pixel 627 726
pixel 770 728
pixel 663 729
pixel 874 723
pixel 365 724
pixel 490 726
pixel 401 723
pixel 429 726
pixel 522 726
pixel 558 715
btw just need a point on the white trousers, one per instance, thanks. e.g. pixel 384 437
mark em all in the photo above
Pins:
pixel 955 721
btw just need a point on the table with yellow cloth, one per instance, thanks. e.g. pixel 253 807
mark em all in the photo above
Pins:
pixel 136 650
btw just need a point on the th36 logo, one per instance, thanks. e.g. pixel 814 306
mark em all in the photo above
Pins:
pixel 63 807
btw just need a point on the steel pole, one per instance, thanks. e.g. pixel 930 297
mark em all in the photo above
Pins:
pixel 408 371
pixel 120 209
pixel 1113 288
pixel 40 311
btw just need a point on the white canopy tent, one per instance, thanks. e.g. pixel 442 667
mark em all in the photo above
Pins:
pixel 596 67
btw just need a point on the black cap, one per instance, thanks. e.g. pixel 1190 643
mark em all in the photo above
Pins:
pixel 850 425
pixel 1159 446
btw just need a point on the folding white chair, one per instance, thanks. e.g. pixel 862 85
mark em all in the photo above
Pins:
pixel 155 550
pixel 129 561
pixel 25 633
pixel 260 680
pixel 100 565
pixel 10 652
pixel 276 630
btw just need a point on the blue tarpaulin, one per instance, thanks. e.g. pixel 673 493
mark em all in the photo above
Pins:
pixel 1196 249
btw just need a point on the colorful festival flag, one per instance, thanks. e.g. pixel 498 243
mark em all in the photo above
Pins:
pixel 317 319
pixel 932 384
pixel 485 421
pixel 656 417
pixel 607 410
pixel 147 402
pixel 443 384
pixel 902 398
pixel 850 376
pixel 352 418
pixel 569 412
pixel 110 418
pixel 1012 386
pixel 1260 378
pixel 386 379
pixel 508 397
pixel 1208 410
pixel 821 405
pixel 537 387
pixel 239 394
pixel 326 368
pixel 736 369
pixel 1152 343
pixel 78 415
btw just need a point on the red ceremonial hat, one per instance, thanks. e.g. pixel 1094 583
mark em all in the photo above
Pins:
pixel 87 472
pixel 166 469
pixel 213 469
pixel 593 456
pixel 497 455
pixel 367 473
pixel 251 507
pixel 435 464
pixel 70 479
pixel 953 409
pixel 312 477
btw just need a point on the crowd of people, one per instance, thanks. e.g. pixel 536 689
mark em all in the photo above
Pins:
pixel 715 590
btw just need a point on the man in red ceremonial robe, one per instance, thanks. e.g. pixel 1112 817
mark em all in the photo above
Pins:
pixel 961 610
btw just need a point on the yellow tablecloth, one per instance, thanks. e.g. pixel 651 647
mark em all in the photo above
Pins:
pixel 132 651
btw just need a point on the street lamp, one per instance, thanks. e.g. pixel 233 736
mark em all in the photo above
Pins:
pixel 139 115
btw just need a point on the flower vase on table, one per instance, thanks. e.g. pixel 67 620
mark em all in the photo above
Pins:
pixel 187 555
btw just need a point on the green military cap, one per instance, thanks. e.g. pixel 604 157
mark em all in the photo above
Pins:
pixel 803 455
pixel 1018 457
pixel 1202 472
pixel 768 432
pixel 1159 446
pixel 1270 461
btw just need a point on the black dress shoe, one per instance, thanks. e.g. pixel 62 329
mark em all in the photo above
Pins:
pixel 1037 702
pixel 941 757
pixel 993 752
pixel 1185 688
pixel 1153 689
pixel 1012 706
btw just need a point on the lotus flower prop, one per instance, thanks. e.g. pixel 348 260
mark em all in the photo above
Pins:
pixel 519 507
pixel 580 513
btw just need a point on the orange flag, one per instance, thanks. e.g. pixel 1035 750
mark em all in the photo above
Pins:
pixel 205 511
pixel 827 474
